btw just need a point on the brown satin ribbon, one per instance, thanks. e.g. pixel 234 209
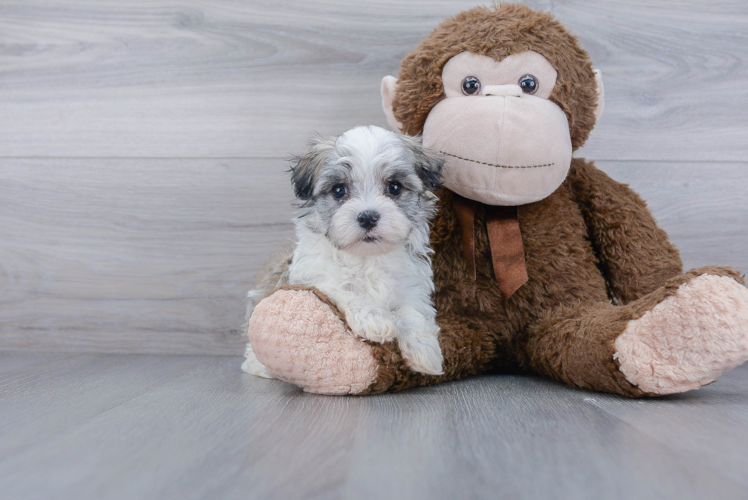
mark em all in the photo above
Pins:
pixel 465 211
pixel 504 239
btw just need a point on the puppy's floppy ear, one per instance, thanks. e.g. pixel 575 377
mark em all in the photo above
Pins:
pixel 306 167
pixel 428 164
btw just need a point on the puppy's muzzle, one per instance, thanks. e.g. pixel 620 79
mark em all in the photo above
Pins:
pixel 368 219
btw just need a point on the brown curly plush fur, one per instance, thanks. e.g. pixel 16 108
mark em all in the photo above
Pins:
pixel 561 323
pixel 590 244
pixel 498 33
pixel 595 258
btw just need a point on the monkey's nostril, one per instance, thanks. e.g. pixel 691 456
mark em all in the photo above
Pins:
pixel 368 219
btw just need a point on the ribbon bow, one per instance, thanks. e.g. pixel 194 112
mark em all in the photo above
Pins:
pixel 504 239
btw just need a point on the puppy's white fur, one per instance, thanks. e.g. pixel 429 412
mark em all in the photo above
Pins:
pixel 383 296
pixel 380 277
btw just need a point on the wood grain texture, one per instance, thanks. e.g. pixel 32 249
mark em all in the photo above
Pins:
pixel 243 79
pixel 49 394
pixel 687 424
pixel 133 255
pixel 111 427
pixel 142 185
pixel 157 255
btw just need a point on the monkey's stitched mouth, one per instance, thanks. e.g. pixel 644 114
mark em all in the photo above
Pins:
pixel 496 165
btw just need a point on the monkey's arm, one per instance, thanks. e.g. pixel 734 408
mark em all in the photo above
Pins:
pixel 301 337
pixel 636 256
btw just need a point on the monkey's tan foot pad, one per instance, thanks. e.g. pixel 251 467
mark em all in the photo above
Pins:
pixel 301 340
pixel 689 339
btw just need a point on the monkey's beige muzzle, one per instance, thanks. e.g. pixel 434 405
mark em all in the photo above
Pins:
pixel 501 148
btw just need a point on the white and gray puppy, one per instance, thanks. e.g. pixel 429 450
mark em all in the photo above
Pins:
pixel 363 239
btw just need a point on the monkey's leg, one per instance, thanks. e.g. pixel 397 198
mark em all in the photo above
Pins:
pixel 469 347
pixel 678 338
pixel 301 338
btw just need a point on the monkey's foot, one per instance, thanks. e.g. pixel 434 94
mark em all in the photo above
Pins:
pixel 300 339
pixel 689 339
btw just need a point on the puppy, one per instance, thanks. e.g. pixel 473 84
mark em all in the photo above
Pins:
pixel 363 239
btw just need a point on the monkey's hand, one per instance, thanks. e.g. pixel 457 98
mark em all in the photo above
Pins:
pixel 301 338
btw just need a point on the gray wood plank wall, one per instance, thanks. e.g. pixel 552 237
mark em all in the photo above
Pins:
pixel 143 145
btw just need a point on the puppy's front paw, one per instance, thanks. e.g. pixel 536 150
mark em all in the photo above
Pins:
pixel 372 324
pixel 422 353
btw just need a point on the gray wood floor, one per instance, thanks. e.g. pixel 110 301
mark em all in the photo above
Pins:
pixel 97 426
pixel 142 154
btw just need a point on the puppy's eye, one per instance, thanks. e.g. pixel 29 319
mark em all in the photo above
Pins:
pixel 339 191
pixel 470 86
pixel 529 84
pixel 394 188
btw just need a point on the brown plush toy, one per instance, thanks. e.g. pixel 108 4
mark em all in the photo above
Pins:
pixel 542 263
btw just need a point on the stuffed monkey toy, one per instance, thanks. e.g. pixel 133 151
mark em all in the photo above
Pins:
pixel 543 264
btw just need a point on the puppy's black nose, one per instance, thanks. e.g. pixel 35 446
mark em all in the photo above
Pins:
pixel 368 219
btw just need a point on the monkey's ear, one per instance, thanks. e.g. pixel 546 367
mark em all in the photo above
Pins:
pixel 389 86
pixel 306 167
pixel 428 165
pixel 600 95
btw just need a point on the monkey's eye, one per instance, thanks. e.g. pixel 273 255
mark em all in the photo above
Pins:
pixel 339 191
pixel 529 84
pixel 471 86
pixel 394 188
